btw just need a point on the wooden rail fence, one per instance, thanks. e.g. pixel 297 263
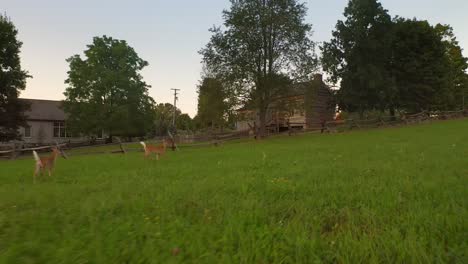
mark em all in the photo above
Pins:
pixel 16 150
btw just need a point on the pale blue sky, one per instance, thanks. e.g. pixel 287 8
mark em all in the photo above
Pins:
pixel 168 34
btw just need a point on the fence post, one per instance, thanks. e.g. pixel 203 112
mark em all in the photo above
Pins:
pixel 381 121
pixel 121 146
pixel 13 150
pixel 323 123
pixel 173 144
pixel 122 149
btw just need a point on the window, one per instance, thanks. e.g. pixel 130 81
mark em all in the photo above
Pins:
pixel 60 130
pixel 27 132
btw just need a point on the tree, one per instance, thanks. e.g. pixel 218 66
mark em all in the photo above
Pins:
pixel 457 77
pixel 163 118
pixel 420 66
pixel 212 105
pixel 358 56
pixel 12 81
pixel 261 40
pixel 465 94
pixel 184 122
pixel 106 91
pixel 394 64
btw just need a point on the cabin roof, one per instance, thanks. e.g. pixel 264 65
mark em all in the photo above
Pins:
pixel 47 110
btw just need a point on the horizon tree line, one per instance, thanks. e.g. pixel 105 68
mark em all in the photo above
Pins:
pixel 378 62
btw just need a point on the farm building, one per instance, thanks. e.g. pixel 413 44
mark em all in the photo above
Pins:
pixel 46 123
pixel 305 106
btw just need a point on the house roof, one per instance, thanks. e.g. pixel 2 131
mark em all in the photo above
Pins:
pixel 45 110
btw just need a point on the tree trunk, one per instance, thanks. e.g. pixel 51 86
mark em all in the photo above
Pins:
pixel 277 123
pixel 173 146
pixel 392 112
pixel 262 119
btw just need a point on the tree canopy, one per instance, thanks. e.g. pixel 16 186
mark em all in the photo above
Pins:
pixel 164 113
pixel 384 64
pixel 106 91
pixel 419 65
pixel 184 122
pixel 457 65
pixel 12 82
pixel 260 41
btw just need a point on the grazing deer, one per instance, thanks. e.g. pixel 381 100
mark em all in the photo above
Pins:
pixel 158 150
pixel 46 162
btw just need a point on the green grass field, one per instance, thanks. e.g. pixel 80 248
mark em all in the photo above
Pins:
pixel 396 195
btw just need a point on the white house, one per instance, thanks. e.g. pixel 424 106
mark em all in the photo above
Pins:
pixel 46 123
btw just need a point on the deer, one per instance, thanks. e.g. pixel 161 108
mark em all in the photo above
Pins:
pixel 158 150
pixel 46 163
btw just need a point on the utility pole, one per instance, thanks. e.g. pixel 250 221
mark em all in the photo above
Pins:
pixel 175 102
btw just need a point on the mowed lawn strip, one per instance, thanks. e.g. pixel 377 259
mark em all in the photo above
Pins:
pixel 395 195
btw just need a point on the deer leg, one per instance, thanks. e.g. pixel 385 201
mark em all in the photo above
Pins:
pixel 36 171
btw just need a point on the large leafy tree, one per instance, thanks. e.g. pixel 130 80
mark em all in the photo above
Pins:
pixel 106 91
pixel 212 104
pixel 261 40
pixel 420 66
pixel 358 57
pixel 12 81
